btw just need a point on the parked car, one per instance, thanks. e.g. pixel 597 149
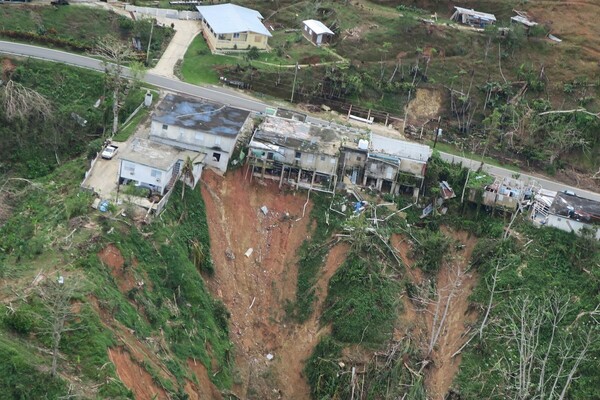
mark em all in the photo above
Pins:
pixel 109 152
pixel 569 192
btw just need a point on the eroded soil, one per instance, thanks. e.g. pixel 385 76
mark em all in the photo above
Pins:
pixel 255 288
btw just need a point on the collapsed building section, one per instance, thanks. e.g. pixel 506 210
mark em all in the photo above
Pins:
pixel 326 158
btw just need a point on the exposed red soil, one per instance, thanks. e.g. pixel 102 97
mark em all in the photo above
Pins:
pixel 453 285
pixel 113 259
pixel 255 288
pixel 205 389
pixel 134 376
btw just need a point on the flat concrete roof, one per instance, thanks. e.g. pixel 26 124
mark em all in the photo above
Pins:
pixel 200 115
pixel 307 137
pixel 156 155
pixel 400 148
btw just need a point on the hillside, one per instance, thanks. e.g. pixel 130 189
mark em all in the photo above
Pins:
pixel 490 89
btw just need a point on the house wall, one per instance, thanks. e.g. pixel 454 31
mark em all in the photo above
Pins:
pixel 313 37
pixel 412 167
pixel 569 225
pixel 239 41
pixel 217 148
pixel 145 174
pixel 321 163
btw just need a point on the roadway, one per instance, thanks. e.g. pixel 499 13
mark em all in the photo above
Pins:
pixel 239 100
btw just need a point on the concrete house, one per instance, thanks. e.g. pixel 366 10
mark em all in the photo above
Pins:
pixel 394 164
pixel 156 166
pixel 298 153
pixel 473 18
pixel 232 27
pixel 566 212
pixel 316 32
pixel 504 194
pixel 199 126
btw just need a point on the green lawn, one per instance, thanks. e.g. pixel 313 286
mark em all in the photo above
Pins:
pixel 199 64
pixel 450 149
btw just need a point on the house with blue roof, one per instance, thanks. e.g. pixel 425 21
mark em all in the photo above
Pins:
pixel 233 27
pixel 199 125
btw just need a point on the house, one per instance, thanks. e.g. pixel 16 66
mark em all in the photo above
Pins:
pixel 505 194
pixel 329 157
pixel 200 126
pixel 394 164
pixel 473 18
pixel 232 27
pixel 567 212
pixel 316 32
pixel 298 153
pixel 156 166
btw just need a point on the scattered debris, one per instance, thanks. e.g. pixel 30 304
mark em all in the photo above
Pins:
pixel 249 252
pixel 447 191
pixel 264 210
pixel 270 356
pixel 229 254
pixel 554 38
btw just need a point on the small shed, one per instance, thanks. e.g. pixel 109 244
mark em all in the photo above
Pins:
pixel 474 18
pixel 316 32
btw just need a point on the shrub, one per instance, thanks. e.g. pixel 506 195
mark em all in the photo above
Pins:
pixel 21 321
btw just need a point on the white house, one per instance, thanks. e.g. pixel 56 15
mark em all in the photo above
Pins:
pixel 316 31
pixel 200 126
pixel 473 18
pixel 232 27
pixel 156 166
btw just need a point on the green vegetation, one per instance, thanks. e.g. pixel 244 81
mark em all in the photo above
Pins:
pixel 35 143
pixel 198 63
pixel 312 255
pixel 360 305
pixel 77 27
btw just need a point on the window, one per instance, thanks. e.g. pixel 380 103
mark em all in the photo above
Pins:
pixel 258 38
pixel 165 127
pixel 129 168
pixel 156 174
pixel 310 159
pixel 322 158
pixel 310 31
pixel 216 157
pixel 269 156
pixel 221 37
pixel 298 155
pixel 217 141
pixel 359 158
pixel 236 35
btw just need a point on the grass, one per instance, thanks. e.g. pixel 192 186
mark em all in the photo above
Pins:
pixel 126 131
pixel 451 149
pixel 199 64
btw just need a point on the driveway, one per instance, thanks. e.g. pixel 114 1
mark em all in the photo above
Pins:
pixel 104 176
pixel 185 32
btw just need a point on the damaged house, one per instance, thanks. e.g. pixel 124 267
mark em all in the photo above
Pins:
pixel 473 18
pixel 301 154
pixel 504 194
pixel 566 211
pixel 332 157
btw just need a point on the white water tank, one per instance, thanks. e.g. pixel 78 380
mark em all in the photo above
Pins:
pixel 148 99
pixel 363 144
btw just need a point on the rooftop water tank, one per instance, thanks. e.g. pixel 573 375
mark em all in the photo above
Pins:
pixel 363 144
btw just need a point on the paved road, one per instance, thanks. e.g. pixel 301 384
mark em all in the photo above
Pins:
pixel 236 99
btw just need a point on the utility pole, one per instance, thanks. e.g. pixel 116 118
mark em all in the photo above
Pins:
pixel 437 132
pixel 294 85
pixel 149 41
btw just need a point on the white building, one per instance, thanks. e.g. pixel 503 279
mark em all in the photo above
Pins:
pixel 200 126
pixel 156 166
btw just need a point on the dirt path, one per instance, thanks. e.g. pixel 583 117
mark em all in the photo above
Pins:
pixel 255 288
pixel 423 320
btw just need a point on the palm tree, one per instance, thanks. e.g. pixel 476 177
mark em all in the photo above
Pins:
pixel 187 174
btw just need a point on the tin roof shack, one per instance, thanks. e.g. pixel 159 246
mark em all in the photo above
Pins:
pixel 473 18
pixel 394 164
pixel 299 153
pixel 316 32
pixel 505 194
pixel 567 212
pixel 199 125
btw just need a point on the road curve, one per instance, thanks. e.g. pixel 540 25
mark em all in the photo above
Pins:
pixel 236 99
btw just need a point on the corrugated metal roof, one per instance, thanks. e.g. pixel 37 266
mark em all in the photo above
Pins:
pixel 230 18
pixel 479 14
pixel 317 26
pixel 400 148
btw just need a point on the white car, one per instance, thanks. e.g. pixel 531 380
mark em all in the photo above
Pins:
pixel 109 152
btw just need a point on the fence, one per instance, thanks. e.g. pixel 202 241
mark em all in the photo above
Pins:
pixel 88 172
pixel 163 12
